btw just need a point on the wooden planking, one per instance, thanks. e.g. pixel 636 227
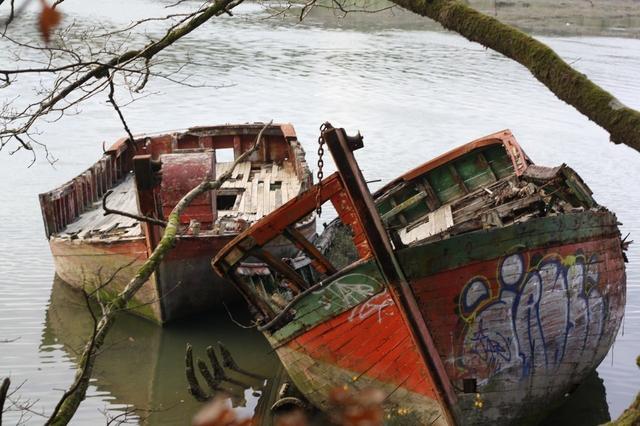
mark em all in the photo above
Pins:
pixel 437 222
pixel 246 173
pixel 542 378
pixel 317 379
pixel 265 194
pixel 285 192
pixel 260 198
pixel 244 195
pixel 272 201
pixel 326 303
pixel 93 220
pixel 254 196
pixel 372 344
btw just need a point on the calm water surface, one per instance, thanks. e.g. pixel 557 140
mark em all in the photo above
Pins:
pixel 413 93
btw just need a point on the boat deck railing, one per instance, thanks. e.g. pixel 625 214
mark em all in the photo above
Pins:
pixel 64 204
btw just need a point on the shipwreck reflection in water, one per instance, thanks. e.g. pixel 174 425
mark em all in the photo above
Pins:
pixel 587 405
pixel 142 365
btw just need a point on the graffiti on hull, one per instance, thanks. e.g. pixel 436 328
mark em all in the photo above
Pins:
pixel 532 319
pixel 366 295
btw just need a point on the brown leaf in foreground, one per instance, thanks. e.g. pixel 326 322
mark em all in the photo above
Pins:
pixel 356 408
pixel 294 418
pixel 219 413
pixel 349 407
pixel 48 20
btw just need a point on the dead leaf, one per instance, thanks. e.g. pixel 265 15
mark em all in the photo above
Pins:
pixel 352 407
pixel 293 418
pixel 219 413
pixel 48 20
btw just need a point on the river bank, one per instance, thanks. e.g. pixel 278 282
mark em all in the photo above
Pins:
pixel 614 18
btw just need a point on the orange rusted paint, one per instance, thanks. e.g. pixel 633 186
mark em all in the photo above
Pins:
pixel 504 315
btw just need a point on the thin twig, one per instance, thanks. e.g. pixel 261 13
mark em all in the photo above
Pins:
pixel 141 218
pixel 115 106
pixel 113 276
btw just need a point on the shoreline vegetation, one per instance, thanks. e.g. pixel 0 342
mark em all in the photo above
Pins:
pixel 604 18
pixel 612 18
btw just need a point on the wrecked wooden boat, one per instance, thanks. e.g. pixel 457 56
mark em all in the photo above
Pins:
pixel 148 177
pixel 478 288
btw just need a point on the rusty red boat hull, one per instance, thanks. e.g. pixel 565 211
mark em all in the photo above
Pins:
pixel 149 176
pixel 181 285
pixel 493 324
pixel 528 326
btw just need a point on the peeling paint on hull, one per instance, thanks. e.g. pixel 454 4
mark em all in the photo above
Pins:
pixel 364 348
pixel 493 313
pixel 183 283
pixel 528 326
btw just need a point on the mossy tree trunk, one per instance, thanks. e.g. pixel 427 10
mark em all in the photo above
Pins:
pixel 573 87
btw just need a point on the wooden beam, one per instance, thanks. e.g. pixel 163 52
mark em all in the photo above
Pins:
pixel 484 163
pixel 356 188
pixel 457 178
pixel 303 244
pixel 432 200
pixel 282 268
pixel 396 210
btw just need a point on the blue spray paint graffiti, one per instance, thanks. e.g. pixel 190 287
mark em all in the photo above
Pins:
pixel 538 316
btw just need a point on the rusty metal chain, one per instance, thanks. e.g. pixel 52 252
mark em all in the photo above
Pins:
pixel 320 173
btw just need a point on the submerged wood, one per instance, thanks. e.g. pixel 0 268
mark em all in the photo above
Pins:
pixel 514 297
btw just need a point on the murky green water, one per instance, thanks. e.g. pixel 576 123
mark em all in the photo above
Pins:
pixel 413 93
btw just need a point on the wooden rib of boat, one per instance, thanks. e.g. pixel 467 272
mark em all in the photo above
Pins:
pixel 478 288
pixel 148 177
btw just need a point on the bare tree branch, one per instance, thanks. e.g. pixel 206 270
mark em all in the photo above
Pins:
pixel 4 389
pixel 86 78
pixel 112 101
pixel 141 218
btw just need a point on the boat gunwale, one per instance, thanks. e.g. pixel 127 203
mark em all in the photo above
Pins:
pixel 503 137
pixel 122 146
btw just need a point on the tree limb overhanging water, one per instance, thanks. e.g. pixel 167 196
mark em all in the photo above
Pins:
pixel 573 87
pixel 82 76
pixel 87 75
